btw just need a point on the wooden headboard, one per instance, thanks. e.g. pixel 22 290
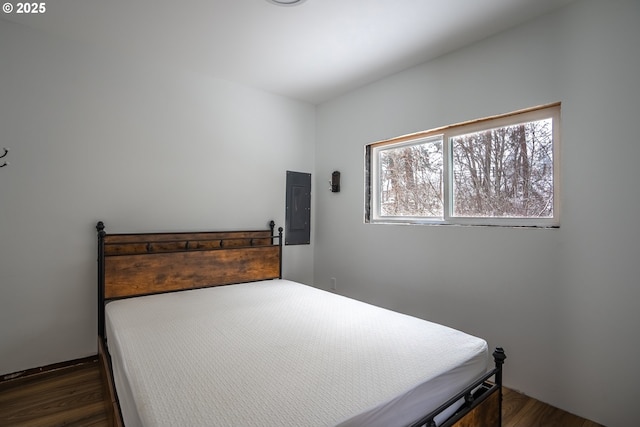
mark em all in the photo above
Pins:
pixel 149 263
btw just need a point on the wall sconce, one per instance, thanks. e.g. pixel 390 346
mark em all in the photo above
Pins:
pixel 335 182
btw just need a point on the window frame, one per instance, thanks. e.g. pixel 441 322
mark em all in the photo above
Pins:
pixel 372 208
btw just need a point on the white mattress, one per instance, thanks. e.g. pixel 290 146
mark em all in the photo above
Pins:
pixel 279 353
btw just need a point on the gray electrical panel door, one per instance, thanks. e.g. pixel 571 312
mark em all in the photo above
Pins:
pixel 298 209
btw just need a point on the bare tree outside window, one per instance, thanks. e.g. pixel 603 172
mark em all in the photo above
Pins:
pixel 411 180
pixel 504 172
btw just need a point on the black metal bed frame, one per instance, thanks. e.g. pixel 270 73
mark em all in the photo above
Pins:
pixel 473 395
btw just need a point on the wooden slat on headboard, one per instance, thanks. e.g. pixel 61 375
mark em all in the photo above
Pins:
pixel 131 275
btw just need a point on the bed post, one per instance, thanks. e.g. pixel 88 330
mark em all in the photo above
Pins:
pixel 272 226
pixel 280 245
pixel 101 234
pixel 498 358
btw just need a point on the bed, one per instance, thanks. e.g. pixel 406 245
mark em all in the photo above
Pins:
pixel 200 329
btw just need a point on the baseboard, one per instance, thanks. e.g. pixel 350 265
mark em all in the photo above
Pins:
pixel 49 368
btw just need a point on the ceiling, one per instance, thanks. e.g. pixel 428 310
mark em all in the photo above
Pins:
pixel 312 52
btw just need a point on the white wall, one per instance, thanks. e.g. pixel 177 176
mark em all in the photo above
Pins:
pixel 96 136
pixel 564 303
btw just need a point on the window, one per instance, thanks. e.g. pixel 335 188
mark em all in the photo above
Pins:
pixel 497 171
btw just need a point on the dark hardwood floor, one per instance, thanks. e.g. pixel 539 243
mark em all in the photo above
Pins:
pixel 74 396
pixel 71 396
pixel 519 410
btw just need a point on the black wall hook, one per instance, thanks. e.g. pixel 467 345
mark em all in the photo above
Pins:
pixel 4 155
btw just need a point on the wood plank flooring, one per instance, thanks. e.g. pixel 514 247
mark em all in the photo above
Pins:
pixel 519 410
pixel 71 396
pixel 74 397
